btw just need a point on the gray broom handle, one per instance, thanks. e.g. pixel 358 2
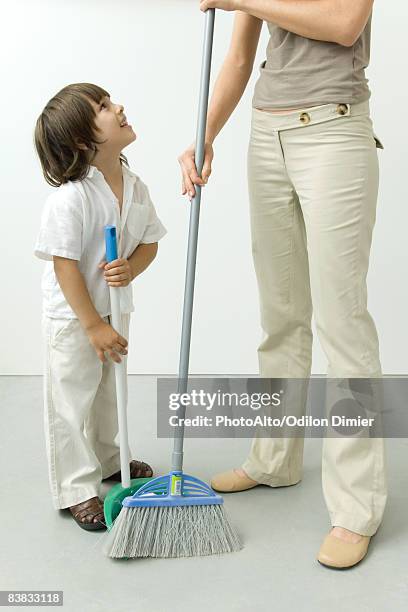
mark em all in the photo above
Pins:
pixel 177 459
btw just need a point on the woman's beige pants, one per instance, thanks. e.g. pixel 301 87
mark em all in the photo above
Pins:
pixel 313 184
pixel 80 414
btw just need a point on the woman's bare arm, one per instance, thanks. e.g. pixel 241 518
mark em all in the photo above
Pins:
pixel 228 89
pixel 235 72
pixel 340 21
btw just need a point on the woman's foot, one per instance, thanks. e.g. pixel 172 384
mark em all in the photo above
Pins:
pixel 138 469
pixel 89 514
pixel 346 535
pixel 343 548
pixel 233 481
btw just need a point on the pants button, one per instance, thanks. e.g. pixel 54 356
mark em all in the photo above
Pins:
pixel 342 109
pixel 304 118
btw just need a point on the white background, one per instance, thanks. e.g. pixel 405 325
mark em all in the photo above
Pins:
pixel 147 55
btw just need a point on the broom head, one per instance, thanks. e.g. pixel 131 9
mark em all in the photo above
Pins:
pixel 175 515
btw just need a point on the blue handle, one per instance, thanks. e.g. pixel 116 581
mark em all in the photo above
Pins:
pixel 110 243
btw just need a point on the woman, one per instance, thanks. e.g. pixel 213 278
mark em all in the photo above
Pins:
pixel 313 185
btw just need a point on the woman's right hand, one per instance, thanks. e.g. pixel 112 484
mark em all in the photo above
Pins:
pixel 189 170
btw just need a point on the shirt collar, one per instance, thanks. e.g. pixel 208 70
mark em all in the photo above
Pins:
pixel 129 180
pixel 94 172
pixel 91 171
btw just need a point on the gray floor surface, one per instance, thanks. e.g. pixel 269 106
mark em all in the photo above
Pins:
pixel 282 529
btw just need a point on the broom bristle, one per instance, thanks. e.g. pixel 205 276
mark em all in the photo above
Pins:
pixel 172 531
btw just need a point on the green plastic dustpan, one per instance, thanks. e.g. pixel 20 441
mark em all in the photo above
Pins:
pixel 113 501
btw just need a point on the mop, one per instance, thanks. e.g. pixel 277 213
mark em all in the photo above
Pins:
pixel 113 500
pixel 178 515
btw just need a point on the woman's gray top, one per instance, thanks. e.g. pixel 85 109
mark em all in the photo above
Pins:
pixel 301 72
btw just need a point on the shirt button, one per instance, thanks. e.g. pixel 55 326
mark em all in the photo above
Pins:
pixel 342 109
pixel 304 118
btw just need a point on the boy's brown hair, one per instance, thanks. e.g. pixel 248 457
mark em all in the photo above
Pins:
pixel 68 119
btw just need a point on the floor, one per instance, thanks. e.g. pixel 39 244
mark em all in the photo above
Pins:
pixel 42 549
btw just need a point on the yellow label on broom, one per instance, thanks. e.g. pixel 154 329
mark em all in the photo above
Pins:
pixel 176 485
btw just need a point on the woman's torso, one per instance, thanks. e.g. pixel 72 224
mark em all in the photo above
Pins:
pixel 301 72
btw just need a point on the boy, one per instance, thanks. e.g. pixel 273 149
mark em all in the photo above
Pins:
pixel 79 137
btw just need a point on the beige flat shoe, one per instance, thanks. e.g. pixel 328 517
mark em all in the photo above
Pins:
pixel 338 554
pixel 231 482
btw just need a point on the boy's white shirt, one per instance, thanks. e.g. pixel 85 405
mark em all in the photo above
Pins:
pixel 72 226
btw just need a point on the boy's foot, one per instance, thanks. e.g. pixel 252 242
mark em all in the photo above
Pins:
pixel 89 514
pixel 138 469
pixel 232 481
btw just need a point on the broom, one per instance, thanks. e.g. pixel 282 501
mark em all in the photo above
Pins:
pixel 113 500
pixel 178 515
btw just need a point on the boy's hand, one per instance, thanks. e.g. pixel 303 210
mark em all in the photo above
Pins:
pixel 117 273
pixel 103 338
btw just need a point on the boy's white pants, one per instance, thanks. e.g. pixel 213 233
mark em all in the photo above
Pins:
pixel 80 415
pixel 313 183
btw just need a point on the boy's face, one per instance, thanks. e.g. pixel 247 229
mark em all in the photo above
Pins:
pixel 109 117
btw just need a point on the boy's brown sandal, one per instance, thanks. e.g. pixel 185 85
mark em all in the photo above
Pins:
pixel 138 469
pixel 87 511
